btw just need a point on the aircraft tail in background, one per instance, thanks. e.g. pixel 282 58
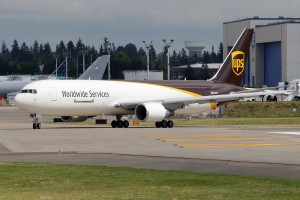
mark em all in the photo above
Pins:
pixel 96 70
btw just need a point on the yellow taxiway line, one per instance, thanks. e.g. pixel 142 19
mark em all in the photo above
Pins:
pixel 234 145
pixel 211 139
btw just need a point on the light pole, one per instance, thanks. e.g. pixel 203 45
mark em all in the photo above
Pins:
pixel 148 47
pixel 66 53
pixel 83 51
pixel 55 57
pixel 109 48
pixel 167 46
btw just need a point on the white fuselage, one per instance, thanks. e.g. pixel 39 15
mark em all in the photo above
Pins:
pixel 95 97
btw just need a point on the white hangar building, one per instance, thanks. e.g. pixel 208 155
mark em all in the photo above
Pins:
pixel 274 51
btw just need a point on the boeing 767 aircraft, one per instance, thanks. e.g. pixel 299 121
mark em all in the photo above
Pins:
pixel 148 102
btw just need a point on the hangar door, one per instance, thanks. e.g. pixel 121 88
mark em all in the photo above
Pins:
pixel 246 76
pixel 272 63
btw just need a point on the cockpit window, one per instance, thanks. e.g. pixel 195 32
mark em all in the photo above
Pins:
pixel 31 91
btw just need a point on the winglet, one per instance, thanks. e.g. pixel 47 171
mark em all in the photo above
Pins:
pixel 233 67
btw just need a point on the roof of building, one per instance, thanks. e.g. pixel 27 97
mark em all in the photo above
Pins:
pixel 263 18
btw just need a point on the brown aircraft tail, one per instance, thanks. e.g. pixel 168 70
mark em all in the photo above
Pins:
pixel 233 67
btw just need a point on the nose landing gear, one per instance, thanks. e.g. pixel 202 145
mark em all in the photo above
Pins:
pixel 36 121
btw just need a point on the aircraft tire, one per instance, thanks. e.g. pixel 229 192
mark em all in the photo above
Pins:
pixel 120 124
pixel 38 125
pixel 126 124
pixel 34 126
pixel 114 123
pixel 170 124
pixel 164 124
pixel 158 124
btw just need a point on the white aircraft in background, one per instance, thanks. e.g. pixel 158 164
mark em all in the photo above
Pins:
pixel 148 102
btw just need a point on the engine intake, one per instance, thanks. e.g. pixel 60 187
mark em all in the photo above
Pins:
pixel 152 112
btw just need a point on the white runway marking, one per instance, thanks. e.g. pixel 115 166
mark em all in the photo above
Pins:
pixel 286 133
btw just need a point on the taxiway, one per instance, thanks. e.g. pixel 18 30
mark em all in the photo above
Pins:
pixel 248 150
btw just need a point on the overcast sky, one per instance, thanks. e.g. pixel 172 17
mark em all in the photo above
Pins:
pixel 125 21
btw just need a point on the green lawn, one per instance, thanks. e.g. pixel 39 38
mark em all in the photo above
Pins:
pixel 46 181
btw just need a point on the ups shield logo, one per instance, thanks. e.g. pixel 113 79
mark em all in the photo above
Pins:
pixel 238 62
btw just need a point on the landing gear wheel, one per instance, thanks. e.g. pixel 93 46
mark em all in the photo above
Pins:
pixel 120 124
pixel 38 125
pixel 170 124
pixel 158 124
pixel 126 124
pixel 164 124
pixel 34 125
pixel 114 123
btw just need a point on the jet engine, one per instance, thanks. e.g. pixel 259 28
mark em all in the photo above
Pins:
pixel 152 112
pixel 270 97
pixel 72 118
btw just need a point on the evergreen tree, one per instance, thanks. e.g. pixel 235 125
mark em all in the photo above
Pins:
pixel 25 54
pixel 213 55
pixel 204 74
pixel 131 51
pixel 152 58
pixel 15 50
pixel 101 51
pixel 206 57
pixel 41 50
pixel 174 59
pixel 119 63
pixel 195 58
pixel 35 49
pixel 94 54
pixel 220 53
pixel 189 73
pixel 79 46
pixel 71 48
pixel 61 49
pixel 47 48
pixel 4 59
pixel 183 57
pixel 4 49
pixel 142 59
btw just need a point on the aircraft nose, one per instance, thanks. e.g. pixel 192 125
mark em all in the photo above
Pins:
pixel 19 100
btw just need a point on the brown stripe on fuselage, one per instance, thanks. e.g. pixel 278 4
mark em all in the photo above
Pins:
pixel 201 87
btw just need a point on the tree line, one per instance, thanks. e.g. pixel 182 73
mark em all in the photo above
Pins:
pixel 40 58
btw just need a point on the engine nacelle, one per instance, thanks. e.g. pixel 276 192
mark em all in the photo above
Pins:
pixel 152 112
pixel 270 97
pixel 73 118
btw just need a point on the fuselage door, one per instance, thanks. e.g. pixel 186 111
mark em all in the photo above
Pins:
pixel 53 94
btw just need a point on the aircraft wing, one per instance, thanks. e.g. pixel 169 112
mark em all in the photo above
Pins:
pixel 266 89
pixel 178 103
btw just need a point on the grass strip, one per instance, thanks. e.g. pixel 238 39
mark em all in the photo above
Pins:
pixel 47 181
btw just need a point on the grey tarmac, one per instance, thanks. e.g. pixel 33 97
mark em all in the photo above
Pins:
pixel 271 151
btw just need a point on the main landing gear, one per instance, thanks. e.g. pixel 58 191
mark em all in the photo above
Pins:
pixel 36 121
pixel 164 124
pixel 125 124
pixel 119 123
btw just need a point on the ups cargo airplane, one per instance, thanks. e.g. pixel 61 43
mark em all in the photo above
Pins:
pixel 147 101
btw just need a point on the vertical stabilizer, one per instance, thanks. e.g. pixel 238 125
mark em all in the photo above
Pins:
pixel 96 70
pixel 233 67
